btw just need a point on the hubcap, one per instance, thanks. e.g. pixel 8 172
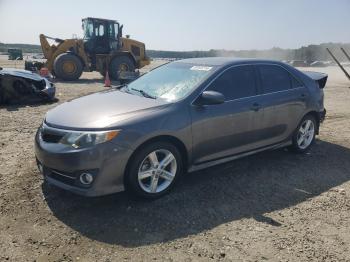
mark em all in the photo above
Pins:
pixel 157 171
pixel 69 67
pixel 123 68
pixel 305 134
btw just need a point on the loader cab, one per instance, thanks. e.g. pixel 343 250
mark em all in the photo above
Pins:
pixel 101 36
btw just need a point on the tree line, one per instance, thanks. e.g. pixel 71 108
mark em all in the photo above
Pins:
pixel 308 53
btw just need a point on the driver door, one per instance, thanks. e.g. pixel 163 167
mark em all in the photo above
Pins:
pixel 226 129
pixel 101 39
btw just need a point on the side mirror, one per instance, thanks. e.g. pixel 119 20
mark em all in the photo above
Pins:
pixel 210 98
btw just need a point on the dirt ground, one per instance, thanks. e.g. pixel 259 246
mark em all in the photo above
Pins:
pixel 274 206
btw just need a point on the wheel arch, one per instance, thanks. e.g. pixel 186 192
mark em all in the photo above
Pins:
pixel 127 54
pixel 162 138
pixel 316 115
pixel 72 52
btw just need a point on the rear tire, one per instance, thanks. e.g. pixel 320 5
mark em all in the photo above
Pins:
pixel 68 67
pixel 147 166
pixel 121 63
pixel 304 135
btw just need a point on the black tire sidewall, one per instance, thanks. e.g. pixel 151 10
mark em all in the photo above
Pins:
pixel 116 62
pixel 131 177
pixel 58 67
pixel 295 145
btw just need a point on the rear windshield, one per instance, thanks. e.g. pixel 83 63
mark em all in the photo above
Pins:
pixel 172 81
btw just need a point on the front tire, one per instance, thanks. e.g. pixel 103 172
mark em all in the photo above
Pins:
pixel 120 64
pixel 154 170
pixel 68 67
pixel 304 135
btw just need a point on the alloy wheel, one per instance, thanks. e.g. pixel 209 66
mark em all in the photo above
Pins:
pixel 306 134
pixel 157 171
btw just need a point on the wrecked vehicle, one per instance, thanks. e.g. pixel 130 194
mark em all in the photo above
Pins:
pixel 18 86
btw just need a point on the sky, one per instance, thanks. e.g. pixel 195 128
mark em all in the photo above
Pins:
pixel 184 25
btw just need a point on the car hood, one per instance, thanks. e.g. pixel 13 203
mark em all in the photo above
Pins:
pixel 100 110
pixel 21 73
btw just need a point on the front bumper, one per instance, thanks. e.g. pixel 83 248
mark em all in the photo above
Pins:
pixel 49 91
pixel 62 165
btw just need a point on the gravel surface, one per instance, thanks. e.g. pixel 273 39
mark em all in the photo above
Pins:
pixel 275 205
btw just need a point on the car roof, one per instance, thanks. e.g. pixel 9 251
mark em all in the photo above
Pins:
pixel 224 61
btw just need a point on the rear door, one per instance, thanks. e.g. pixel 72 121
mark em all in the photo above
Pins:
pixel 283 99
pixel 228 128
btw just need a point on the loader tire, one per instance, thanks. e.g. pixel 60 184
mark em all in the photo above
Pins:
pixel 68 67
pixel 122 63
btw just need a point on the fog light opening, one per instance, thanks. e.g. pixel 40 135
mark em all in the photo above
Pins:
pixel 86 178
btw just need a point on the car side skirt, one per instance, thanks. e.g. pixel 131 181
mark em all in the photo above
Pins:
pixel 237 156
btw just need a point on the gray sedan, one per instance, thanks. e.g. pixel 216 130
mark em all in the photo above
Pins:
pixel 181 117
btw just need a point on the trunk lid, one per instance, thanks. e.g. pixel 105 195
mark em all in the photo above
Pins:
pixel 319 78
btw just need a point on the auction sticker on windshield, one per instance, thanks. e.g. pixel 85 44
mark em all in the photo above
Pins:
pixel 201 68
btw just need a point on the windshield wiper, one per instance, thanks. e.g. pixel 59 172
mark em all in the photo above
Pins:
pixel 144 93
pixel 121 86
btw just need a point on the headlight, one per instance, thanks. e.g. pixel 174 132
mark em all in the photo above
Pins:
pixel 85 139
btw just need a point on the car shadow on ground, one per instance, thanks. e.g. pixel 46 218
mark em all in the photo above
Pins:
pixel 246 188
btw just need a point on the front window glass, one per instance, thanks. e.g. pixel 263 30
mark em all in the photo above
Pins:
pixel 237 82
pixel 172 81
pixel 88 29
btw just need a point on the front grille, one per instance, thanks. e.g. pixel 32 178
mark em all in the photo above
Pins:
pixel 51 135
pixel 135 50
pixel 51 138
pixel 39 85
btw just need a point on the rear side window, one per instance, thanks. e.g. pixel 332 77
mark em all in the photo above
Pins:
pixel 274 79
pixel 295 82
pixel 235 83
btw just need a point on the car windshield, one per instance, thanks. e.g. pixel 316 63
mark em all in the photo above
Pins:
pixel 172 81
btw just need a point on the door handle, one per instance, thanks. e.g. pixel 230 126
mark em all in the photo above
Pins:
pixel 303 97
pixel 255 107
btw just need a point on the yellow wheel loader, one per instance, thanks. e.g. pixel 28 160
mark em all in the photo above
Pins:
pixel 102 48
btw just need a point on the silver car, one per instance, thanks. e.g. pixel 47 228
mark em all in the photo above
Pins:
pixel 181 117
